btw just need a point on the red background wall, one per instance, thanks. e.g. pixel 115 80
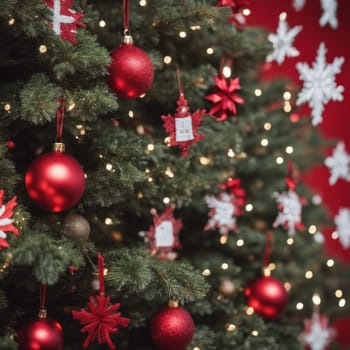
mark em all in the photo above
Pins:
pixel 336 117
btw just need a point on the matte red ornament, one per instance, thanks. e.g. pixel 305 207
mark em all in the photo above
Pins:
pixel 131 72
pixel 267 296
pixel 41 334
pixel 172 328
pixel 55 181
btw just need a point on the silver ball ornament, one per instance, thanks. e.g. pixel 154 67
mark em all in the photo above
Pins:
pixel 227 287
pixel 76 227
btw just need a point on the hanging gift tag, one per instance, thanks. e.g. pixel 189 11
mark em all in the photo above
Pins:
pixel 183 129
pixel 224 212
pixel 183 126
pixel 164 234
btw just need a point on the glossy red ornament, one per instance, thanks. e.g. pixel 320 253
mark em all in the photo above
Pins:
pixel 172 328
pixel 41 334
pixel 55 181
pixel 10 145
pixel 131 72
pixel 267 296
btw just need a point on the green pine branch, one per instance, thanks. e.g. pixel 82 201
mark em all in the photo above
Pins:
pixel 135 271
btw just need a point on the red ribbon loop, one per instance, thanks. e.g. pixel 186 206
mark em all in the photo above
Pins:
pixel 59 119
pixel 224 62
pixel 101 271
pixel 126 7
pixel 267 252
pixel 178 74
pixel 290 180
pixel 43 288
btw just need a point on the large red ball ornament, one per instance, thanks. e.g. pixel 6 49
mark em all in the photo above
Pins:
pixel 41 334
pixel 172 328
pixel 55 181
pixel 267 296
pixel 131 72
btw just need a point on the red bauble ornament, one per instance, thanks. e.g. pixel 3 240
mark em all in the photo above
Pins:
pixel 267 296
pixel 172 328
pixel 10 145
pixel 55 181
pixel 41 333
pixel 131 71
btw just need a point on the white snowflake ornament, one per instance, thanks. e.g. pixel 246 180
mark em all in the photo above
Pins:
pixel 298 4
pixel 222 212
pixel 282 42
pixel 226 206
pixel 329 15
pixel 342 222
pixel 319 237
pixel 317 334
pixel 319 83
pixel 290 209
pixel 329 11
pixel 338 164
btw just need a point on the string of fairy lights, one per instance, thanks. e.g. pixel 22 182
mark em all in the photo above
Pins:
pixel 206 161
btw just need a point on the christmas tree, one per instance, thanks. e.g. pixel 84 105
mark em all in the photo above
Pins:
pixel 171 212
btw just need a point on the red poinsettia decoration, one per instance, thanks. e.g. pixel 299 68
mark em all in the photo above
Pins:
pixel 183 126
pixel 6 223
pixel 225 98
pixel 163 236
pixel 65 20
pixel 100 319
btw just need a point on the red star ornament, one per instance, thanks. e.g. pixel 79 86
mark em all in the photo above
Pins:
pixel 183 126
pixel 163 236
pixel 100 319
pixel 65 20
pixel 225 98
pixel 6 223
